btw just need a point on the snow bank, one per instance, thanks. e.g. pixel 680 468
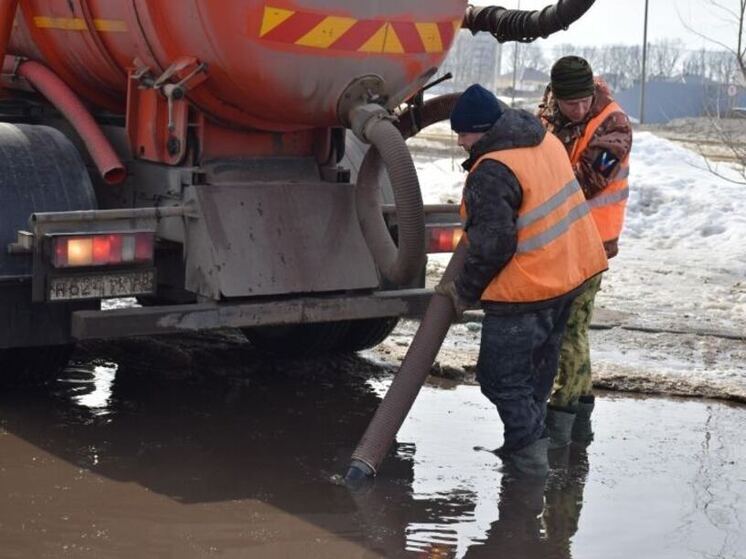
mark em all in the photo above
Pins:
pixel 682 255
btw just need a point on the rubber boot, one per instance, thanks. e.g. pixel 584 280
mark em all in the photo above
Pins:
pixel 529 461
pixel 582 430
pixel 560 427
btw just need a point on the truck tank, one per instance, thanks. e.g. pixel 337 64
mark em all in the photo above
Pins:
pixel 275 65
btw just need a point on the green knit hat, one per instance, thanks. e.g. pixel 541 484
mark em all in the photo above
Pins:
pixel 572 78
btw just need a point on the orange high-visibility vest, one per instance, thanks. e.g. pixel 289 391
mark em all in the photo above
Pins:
pixel 608 206
pixel 558 245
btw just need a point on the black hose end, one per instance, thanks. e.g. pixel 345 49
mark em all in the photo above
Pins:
pixel 358 475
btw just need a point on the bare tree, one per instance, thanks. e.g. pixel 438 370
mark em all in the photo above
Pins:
pixel 534 58
pixel 629 61
pixel 696 64
pixel 721 67
pixel 472 60
pixel 618 63
pixel 664 57
pixel 734 12
pixel 734 151
pixel 528 56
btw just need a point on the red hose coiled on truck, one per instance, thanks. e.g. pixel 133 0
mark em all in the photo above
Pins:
pixel 64 100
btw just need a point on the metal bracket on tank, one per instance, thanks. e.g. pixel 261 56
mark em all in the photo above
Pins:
pixel 17 61
pixel 158 110
pixel 363 90
pixel 414 105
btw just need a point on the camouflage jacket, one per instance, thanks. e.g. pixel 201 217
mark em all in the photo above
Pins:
pixel 613 139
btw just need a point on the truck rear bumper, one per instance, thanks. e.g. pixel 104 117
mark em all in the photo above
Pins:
pixel 119 323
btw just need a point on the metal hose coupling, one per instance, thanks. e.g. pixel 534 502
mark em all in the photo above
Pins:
pixel 358 475
pixel 363 117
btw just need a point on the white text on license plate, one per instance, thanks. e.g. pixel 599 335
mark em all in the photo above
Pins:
pixel 95 286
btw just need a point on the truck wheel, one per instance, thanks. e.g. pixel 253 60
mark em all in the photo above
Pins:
pixel 367 333
pixel 32 366
pixel 42 171
pixel 298 340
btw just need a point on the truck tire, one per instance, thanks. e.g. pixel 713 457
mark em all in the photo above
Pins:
pixel 367 333
pixel 42 171
pixel 298 340
pixel 32 366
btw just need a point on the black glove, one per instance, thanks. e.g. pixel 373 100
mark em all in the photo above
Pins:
pixel 449 290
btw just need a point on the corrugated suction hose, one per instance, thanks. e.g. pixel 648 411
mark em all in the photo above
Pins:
pixel 401 264
pixel 395 406
pixel 398 265
pixel 524 25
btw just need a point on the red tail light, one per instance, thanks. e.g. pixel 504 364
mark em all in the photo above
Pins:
pixel 444 239
pixel 102 249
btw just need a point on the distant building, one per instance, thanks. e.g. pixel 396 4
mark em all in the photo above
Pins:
pixel 685 96
pixel 526 79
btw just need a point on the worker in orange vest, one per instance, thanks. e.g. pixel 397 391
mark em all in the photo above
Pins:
pixel 532 247
pixel 580 111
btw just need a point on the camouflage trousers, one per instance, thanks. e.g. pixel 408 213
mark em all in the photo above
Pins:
pixel 574 376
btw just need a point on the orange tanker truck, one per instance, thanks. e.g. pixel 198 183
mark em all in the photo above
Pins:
pixel 191 154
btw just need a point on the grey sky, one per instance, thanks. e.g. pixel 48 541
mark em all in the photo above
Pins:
pixel 621 21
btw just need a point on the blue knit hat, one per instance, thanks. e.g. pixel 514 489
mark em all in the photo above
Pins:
pixel 476 110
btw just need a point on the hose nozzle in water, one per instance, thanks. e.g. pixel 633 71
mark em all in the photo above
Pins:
pixel 395 406
pixel 358 474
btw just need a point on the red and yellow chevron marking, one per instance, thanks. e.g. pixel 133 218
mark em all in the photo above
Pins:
pixel 356 35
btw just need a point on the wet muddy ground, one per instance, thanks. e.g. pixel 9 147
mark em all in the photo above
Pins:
pixel 200 447
pixel 627 357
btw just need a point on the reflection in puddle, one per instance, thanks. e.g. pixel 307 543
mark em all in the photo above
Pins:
pixel 121 303
pixel 464 484
pixel 461 486
pixel 472 510
pixel 91 386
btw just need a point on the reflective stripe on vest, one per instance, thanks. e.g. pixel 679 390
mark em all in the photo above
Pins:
pixel 559 228
pixel 609 206
pixel 558 245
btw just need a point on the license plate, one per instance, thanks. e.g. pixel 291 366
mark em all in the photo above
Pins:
pixel 99 286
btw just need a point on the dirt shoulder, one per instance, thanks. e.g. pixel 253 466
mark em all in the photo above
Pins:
pixel 716 139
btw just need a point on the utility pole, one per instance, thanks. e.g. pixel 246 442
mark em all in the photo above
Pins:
pixel 499 63
pixel 644 66
pixel 516 46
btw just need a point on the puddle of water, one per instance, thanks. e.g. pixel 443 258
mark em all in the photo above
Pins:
pixel 661 480
pixel 234 460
